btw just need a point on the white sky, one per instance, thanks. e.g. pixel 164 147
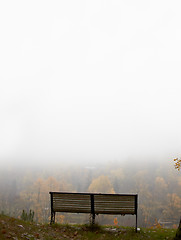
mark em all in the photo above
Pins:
pixel 90 80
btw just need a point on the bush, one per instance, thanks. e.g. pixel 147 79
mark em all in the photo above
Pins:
pixel 27 216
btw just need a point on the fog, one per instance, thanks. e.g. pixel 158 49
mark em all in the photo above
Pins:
pixel 89 81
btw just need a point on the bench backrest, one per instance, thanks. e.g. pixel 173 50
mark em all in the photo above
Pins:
pixel 94 203
pixel 70 202
pixel 115 204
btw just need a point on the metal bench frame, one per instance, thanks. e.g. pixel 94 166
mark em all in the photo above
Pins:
pixel 94 204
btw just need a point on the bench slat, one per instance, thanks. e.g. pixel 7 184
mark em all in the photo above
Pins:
pixel 73 210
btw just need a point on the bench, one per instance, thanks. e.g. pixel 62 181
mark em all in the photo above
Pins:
pixel 93 203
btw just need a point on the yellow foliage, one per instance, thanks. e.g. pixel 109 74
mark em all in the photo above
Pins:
pixel 101 184
pixel 37 195
pixel 52 184
pixel 161 182
pixel 174 200
pixel 177 163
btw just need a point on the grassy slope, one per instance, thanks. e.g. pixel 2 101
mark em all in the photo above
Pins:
pixel 11 228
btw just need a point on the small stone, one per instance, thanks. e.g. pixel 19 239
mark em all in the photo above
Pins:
pixel 21 226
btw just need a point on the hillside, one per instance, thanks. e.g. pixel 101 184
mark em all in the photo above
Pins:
pixel 12 228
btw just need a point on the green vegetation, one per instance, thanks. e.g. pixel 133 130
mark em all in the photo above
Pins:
pixel 27 216
pixel 12 228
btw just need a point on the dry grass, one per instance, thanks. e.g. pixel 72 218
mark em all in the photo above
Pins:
pixel 11 228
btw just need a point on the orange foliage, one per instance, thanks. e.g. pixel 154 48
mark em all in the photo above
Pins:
pixel 157 225
pixel 116 221
pixel 177 163
pixel 174 226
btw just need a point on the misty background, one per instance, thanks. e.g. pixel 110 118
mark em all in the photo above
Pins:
pixel 89 81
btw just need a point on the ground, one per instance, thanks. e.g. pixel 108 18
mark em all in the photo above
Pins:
pixel 16 229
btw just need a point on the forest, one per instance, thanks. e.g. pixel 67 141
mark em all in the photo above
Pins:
pixel 24 190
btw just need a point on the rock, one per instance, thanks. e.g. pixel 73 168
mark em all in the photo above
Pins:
pixel 21 226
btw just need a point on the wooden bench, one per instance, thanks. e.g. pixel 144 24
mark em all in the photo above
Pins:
pixel 93 203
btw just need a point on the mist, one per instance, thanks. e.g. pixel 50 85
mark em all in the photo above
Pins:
pixel 89 82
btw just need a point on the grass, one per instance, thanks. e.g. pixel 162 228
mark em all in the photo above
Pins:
pixel 11 228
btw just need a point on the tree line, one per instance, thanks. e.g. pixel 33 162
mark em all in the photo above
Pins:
pixel 157 184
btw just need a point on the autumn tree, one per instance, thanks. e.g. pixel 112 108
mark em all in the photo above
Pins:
pixel 173 207
pixel 37 197
pixel 177 162
pixel 160 194
pixel 39 194
pixel 146 198
pixel 101 184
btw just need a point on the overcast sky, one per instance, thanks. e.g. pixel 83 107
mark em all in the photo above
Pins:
pixel 90 80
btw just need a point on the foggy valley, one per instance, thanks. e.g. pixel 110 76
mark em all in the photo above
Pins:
pixel 157 184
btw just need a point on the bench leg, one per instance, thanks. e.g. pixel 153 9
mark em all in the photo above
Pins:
pixel 52 217
pixel 93 219
pixel 136 222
